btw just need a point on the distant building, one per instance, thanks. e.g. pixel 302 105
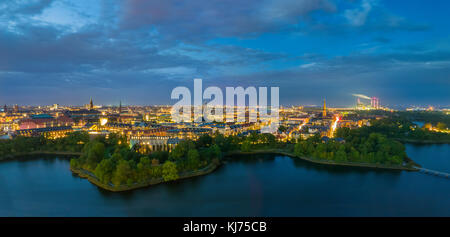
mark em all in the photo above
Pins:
pixel 91 105
pixel 49 132
pixel 148 144
pixel 44 121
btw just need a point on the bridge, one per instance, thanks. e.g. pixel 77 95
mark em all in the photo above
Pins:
pixel 434 172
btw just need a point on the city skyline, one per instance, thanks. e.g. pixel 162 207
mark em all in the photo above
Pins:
pixel 136 52
pixel 356 102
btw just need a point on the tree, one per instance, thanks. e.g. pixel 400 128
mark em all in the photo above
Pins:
pixel 155 162
pixel 169 171
pixel 301 149
pixel 269 139
pixel 204 141
pixel 193 159
pixel 104 171
pixel 246 145
pixel 74 163
pixel 143 169
pixel 216 153
pixel 95 153
pixel 123 173
pixel 225 143
pixel 181 150
pixel 341 155
pixel 441 126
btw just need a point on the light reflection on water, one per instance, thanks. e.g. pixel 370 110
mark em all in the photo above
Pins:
pixel 262 185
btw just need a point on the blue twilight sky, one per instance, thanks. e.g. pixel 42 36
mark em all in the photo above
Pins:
pixel 66 51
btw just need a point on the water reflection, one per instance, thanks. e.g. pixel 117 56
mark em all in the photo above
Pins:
pixel 255 185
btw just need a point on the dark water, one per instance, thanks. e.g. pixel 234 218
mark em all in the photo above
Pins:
pixel 245 186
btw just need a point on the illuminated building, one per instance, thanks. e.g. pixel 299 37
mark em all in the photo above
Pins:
pixel 148 144
pixel 50 132
pixel 188 133
pixel 44 121
pixel 324 113
pixel 375 102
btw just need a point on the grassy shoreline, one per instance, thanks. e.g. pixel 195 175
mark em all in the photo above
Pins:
pixel 213 166
pixel 204 171
pixel 427 142
pixel 325 162
pixel 94 180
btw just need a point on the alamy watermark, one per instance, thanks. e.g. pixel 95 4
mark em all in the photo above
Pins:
pixel 257 107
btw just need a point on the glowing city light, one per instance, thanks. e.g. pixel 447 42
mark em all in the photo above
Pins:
pixel 333 128
pixel 103 121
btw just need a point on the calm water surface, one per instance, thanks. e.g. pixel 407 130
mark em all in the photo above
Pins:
pixel 244 186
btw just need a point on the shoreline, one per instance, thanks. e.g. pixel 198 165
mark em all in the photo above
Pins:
pixel 154 181
pixel 424 142
pixel 323 162
pixel 206 170
pixel 213 166
pixel 32 153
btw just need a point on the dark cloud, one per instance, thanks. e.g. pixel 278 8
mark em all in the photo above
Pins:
pixel 23 7
pixel 205 19
pixel 143 49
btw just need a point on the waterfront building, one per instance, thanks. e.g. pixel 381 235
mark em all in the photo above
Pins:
pixel 148 144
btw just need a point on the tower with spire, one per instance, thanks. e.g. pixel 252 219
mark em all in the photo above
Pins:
pixel 91 105
pixel 324 113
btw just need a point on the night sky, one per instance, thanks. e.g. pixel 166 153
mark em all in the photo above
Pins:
pixel 135 51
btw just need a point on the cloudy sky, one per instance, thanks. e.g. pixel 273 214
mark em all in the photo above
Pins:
pixel 66 51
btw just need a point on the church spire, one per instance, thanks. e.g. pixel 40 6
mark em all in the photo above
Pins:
pixel 91 105
pixel 324 113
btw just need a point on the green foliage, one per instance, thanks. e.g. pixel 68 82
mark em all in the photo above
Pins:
pixel 359 146
pixel 73 142
pixel 74 163
pixel 124 173
pixel 104 170
pixel 402 128
pixel 193 159
pixel 169 171
pixel 441 126
pixel 204 141
pixel 181 150
pixel 95 152
pixel 114 163
pixel 246 145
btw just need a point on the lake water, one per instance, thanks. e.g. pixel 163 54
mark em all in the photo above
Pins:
pixel 245 186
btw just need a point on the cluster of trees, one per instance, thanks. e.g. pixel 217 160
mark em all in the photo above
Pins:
pixel 114 162
pixel 433 117
pixel 73 142
pixel 402 128
pixel 402 124
pixel 259 141
pixel 359 147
